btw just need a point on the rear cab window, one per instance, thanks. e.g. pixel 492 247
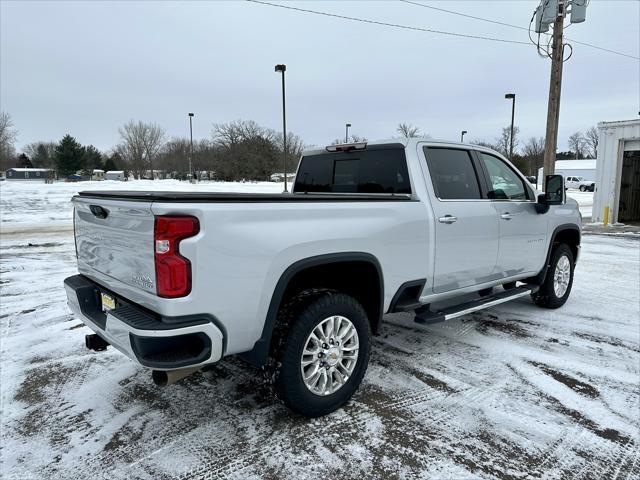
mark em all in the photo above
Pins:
pixel 371 170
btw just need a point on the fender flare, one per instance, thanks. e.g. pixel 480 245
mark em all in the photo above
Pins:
pixel 259 353
pixel 539 279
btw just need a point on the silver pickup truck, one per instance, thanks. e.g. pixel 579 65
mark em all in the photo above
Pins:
pixel 297 283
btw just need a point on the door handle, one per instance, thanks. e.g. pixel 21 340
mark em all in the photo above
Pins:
pixel 506 216
pixel 448 219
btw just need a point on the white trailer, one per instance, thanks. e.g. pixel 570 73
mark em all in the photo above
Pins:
pixel 115 175
pixel 585 168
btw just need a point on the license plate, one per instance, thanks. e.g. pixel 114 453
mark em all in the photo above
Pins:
pixel 108 302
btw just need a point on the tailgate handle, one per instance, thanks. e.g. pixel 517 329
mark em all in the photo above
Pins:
pixel 99 211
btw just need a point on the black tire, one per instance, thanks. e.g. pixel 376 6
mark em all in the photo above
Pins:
pixel 583 188
pixel 289 383
pixel 546 296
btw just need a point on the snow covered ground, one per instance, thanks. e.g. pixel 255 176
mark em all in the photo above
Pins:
pixel 512 392
pixel 585 201
pixel 36 204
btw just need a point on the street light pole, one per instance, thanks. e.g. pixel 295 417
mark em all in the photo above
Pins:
pixel 346 135
pixel 282 68
pixel 511 96
pixel 191 148
pixel 462 136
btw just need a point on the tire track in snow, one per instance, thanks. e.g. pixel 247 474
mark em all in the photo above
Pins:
pixel 224 461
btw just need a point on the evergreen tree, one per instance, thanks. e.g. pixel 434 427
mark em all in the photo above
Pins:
pixel 41 158
pixel 24 161
pixel 92 159
pixel 69 156
pixel 113 162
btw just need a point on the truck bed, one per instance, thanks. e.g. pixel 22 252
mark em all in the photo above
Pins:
pixel 220 197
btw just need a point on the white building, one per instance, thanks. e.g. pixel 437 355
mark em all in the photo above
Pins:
pixel 97 174
pixel 617 196
pixel 572 168
pixel 115 175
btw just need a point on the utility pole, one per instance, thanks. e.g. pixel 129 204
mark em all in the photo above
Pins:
pixel 554 12
pixel 555 85
pixel 346 134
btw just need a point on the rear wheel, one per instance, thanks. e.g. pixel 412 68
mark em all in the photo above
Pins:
pixel 555 290
pixel 324 356
pixel 583 188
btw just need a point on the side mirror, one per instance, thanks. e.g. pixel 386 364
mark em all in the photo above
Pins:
pixel 554 193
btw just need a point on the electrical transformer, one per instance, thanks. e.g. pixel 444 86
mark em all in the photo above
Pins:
pixel 578 11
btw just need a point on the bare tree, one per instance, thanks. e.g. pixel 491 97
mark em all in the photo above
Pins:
pixel 352 138
pixel 577 144
pixel 174 157
pixel 245 150
pixel 41 154
pixel 591 140
pixel 533 151
pixel 232 133
pixel 408 130
pixel 503 142
pixel 295 147
pixel 534 147
pixel 484 143
pixel 141 144
pixel 8 135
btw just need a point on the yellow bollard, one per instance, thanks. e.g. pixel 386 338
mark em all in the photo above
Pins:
pixel 606 215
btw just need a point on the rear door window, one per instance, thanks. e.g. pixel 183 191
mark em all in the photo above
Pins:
pixel 360 171
pixel 453 174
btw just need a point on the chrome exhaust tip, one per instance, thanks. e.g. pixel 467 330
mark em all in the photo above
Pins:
pixel 162 378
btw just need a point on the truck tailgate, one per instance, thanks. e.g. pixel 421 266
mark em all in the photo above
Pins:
pixel 115 238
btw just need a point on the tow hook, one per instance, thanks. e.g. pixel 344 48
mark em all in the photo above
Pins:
pixel 95 342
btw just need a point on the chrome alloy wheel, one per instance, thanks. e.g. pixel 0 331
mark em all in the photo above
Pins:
pixel 561 276
pixel 330 355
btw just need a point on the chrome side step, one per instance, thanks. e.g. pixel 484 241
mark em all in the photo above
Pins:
pixel 445 314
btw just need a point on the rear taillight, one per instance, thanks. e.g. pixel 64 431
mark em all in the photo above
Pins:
pixel 173 271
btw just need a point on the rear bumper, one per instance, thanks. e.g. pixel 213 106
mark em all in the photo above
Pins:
pixel 161 343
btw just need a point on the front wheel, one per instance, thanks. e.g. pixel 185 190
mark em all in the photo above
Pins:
pixel 582 188
pixel 555 289
pixel 324 356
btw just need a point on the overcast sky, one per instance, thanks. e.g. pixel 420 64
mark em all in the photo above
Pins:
pixel 86 68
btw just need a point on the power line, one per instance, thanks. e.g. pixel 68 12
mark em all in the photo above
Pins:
pixel 462 14
pixel 418 4
pixel 387 24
